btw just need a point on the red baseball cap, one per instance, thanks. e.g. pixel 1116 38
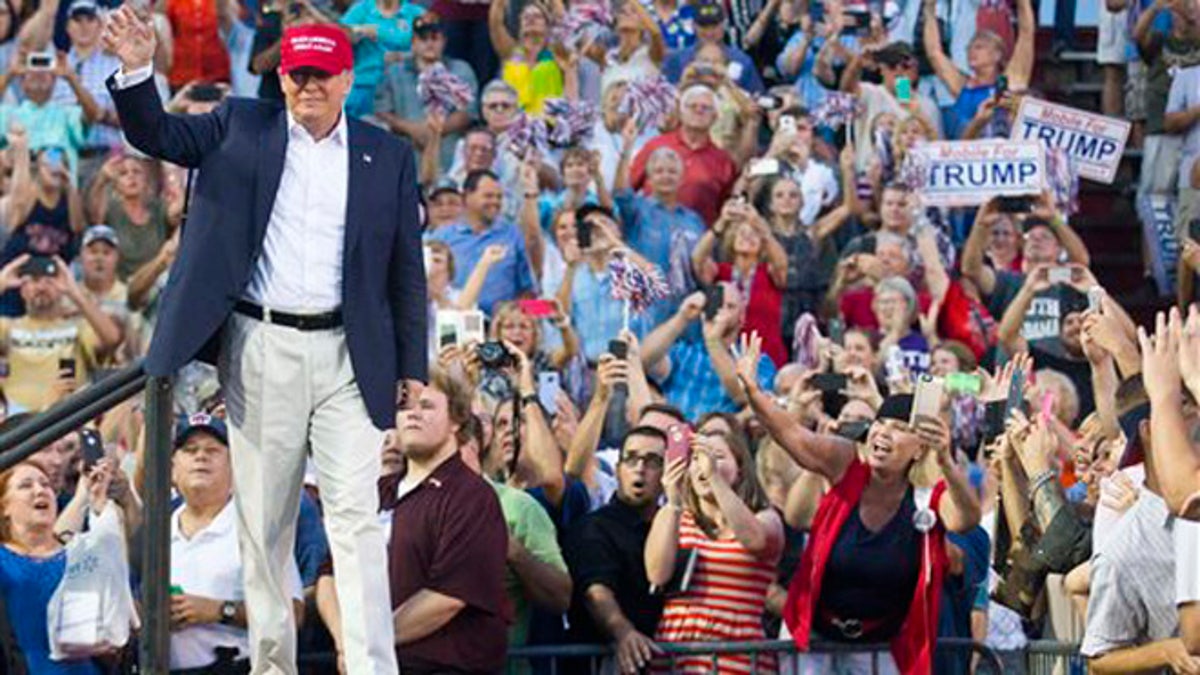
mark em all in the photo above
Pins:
pixel 319 45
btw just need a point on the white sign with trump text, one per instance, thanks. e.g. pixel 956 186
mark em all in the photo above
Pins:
pixel 1094 141
pixel 969 173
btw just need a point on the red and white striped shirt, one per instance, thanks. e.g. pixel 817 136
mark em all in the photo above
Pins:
pixel 724 602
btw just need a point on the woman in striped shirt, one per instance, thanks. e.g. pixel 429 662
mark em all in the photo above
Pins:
pixel 716 546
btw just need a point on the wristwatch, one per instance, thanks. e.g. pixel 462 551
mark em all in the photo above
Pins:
pixel 228 612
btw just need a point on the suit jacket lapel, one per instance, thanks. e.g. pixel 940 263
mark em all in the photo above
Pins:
pixel 361 150
pixel 272 148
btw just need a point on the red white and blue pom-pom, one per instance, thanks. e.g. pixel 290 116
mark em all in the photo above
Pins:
pixel 587 18
pixel 442 91
pixel 650 101
pixel 806 342
pixel 637 286
pixel 524 135
pixel 569 122
pixel 1063 180
pixel 837 110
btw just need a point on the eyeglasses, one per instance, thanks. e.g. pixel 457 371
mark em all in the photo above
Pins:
pixel 499 105
pixel 650 461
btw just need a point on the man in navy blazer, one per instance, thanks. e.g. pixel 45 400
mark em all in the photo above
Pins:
pixel 300 275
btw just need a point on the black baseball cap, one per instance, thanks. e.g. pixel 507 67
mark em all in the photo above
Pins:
pixel 427 23
pixel 709 13
pixel 39 266
pixel 582 213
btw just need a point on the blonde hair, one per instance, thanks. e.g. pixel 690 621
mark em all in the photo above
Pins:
pixel 730 235
pixel 507 311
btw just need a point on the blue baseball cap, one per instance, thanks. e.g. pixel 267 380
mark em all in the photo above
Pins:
pixel 201 421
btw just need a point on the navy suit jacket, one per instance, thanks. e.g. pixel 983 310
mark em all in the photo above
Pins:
pixel 239 151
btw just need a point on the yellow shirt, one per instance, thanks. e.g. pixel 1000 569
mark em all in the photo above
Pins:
pixel 534 84
pixel 35 350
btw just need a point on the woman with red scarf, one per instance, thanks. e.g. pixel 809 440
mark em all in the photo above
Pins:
pixel 873 568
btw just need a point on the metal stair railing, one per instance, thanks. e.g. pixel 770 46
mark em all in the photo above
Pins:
pixel 19 443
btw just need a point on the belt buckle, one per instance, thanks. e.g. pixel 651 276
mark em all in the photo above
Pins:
pixel 266 315
pixel 851 629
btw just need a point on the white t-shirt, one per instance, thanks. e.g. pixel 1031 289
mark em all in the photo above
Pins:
pixel 878 100
pixel 1185 93
pixel 209 565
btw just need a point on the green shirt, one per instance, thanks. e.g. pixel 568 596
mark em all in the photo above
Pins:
pixel 48 126
pixel 531 525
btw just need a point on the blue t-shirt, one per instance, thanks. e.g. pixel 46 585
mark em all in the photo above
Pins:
pixel 508 279
pixel 27 584
pixel 679 32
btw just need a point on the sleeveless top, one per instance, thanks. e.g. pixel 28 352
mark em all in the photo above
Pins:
pixel 45 231
pixel 965 106
pixel 724 601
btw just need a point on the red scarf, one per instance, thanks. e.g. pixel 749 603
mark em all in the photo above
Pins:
pixel 913 646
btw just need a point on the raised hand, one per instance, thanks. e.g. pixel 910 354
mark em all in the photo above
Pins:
pixel 747 363
pixel 1189 352
pixel 935 435
pixel 130 37
pixel 1160 358
pixel 10 274
pixel 692 307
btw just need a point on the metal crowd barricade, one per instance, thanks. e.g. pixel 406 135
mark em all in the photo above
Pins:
pixel 591 659
pixel 1047 657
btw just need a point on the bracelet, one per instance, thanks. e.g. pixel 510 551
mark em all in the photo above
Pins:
pixel 527 399
pixel 531 195
pixel 1040 481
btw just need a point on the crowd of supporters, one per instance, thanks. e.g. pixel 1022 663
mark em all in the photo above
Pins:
pixel 830 412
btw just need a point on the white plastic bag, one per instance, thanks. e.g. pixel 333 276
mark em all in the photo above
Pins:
pixel 92 610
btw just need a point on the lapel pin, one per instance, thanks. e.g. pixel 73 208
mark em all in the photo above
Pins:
pixel 366 158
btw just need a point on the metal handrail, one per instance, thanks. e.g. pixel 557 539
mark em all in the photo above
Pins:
pixel 19 443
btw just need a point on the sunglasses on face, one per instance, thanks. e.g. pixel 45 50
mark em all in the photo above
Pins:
pixel 499 105
pixel 302 76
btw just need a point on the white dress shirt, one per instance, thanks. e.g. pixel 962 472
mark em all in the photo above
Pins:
pixel 300 268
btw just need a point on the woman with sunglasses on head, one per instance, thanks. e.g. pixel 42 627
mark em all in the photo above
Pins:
pixel 714 547
pixel 873 569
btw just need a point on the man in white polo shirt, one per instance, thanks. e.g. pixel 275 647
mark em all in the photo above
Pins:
pixel 208 614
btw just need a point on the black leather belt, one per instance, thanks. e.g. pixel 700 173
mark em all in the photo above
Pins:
pixel 306 322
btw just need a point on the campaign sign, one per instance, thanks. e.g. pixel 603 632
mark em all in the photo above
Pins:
pixel 1095 142
pixel 969 173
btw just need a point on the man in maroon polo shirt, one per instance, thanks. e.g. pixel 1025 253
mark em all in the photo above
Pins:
pixel 708 171
pixel 448 544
